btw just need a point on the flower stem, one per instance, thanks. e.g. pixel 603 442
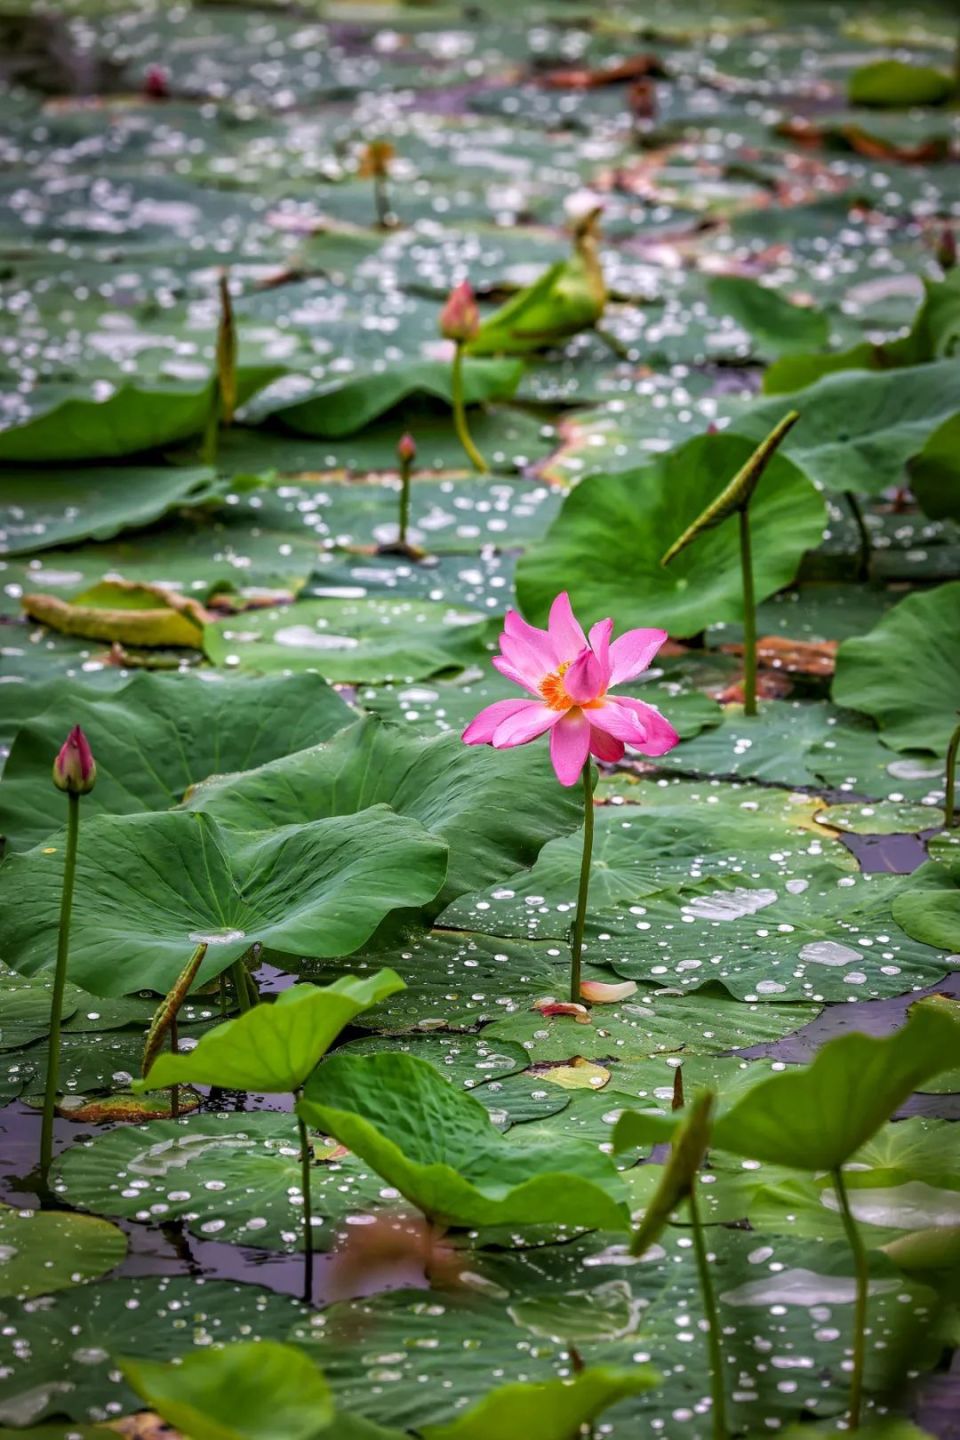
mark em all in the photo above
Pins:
pixel 238 973
pixel 950 799
pixel 576 949
pixel 460 414
pixel 718 1409
pixel 174 1089
pixel 749 617
pixel 59 984
pixel 404 500
pixel 307 1209
pixel 381 201
pixel 863 1283
pixel 865 554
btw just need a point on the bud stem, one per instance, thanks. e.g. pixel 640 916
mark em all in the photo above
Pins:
pixel 305 1159
pixel 404 499
pixel 718 1408
pixel 576 948
pixel 862 1270
pixel 381 200
pixel 950 797
pixel 59 985
pixel 749 616
pixel 460 414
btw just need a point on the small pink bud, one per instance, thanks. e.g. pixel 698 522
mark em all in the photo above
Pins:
pixel 563 1007
pixel 600 994
pixel 74 769
pixel 460 318
pixel 156 83
pixel 947 248
pixel 407 448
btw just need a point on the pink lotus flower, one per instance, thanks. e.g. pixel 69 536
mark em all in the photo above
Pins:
pixel 460 318
pixel 74 769
pixel 570 674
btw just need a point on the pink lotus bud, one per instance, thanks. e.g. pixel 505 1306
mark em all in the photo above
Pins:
pixel 600 994
pixel 564 1007
pixel 74 769
pixel 460 318
pixel 947 248
pixel 156 83
pixel 407 448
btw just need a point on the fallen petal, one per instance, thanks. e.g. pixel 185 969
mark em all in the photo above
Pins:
pixel 598 992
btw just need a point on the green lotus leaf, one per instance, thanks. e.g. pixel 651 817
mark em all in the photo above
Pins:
pixel 897 85
pixel 493 809
pixel 858 429
pixel 42 510
pixel 935 474
pixel 934 335
pixel 232 1178
pixel 929 908
pixel 260 1390
pixel 150 888
pixel 892 1429
pixel 651 1022
pixel 817 1117
pixel 273 1048
pixel 368 639
pixel 550 1410
pixel 157 737
pixel 777 325
pixel 905 672
pixel 437 1146
pixel 134 417
pixel 46 1250
pixel 73 1336
pixel 606 545
pixel 344 406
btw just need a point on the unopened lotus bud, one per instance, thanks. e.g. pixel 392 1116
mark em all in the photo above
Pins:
pixel 74 769
pixel 406 449
pixel 599 993
pixel 460 318
pixel 156 83
pixel 947 248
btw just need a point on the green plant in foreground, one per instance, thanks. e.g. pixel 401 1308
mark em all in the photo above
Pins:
pixel 678 1184
pixel 459 322
pixel 950 798
pixel 818 1117
pixel 264 1390
pixel 438 1146
pixel 735 499
pixel 75 772
pixel 273 1049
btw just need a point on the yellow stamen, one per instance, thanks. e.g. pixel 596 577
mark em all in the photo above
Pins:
pixel 551 688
